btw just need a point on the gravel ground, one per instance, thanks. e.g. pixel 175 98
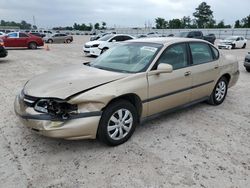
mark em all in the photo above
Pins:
pixel 203 146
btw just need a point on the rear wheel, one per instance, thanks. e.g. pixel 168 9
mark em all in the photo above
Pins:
pixel 50 41
pixel 244 46
pixel 68 41
pixel 32 45
pixel 118 123
pixel 220 92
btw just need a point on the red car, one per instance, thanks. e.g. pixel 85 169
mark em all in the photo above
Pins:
pixel 19 39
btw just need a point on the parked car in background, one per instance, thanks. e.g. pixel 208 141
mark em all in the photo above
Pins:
pixel 58 38
pixel 100 35
pixel 232 42
pixel 2 33
pixel 247 62
pixel 37 34
pixel 138 79
pixel 20 39
pixel 197 35
pixel 92 47
pixel 3 51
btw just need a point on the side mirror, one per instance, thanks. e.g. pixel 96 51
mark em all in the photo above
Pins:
pixel 113 40
pixel 165 68
pixel 162 68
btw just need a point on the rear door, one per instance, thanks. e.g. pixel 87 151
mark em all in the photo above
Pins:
pixel 169 90
pixel 56 38
pixel 205 69
pixel 23 40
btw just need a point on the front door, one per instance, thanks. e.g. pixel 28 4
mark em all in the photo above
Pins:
pixel 169 90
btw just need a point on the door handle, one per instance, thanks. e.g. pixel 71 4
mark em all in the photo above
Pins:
pixel 216 66
pixel 187 73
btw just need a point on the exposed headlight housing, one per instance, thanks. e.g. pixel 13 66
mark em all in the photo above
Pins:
pixel 95 45
pixel 56 108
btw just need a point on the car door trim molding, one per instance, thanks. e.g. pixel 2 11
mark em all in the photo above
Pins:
pixel 175 92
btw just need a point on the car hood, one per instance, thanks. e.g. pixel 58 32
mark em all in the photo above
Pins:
pixel 227 41
pixel 62 83
pixel 91 43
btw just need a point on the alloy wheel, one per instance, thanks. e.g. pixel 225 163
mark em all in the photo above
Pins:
pixel 120 124
pixel 220 90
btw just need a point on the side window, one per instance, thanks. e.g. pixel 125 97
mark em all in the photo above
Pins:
pixel 126 38
pixel 197 34
pixel 22 35
pixel 117 38
pixel 201 53
pixel 175 55
pixel 12 35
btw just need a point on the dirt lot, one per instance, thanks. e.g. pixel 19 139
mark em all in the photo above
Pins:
pixel 203 146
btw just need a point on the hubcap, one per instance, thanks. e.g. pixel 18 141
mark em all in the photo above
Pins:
pixel 120 123
pixel 220 91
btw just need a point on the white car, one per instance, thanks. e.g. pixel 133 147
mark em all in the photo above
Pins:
pixel 97 47
pixel 2 33
pixel 232 42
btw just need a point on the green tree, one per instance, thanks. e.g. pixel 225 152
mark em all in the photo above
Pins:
pixel 175 24
pixel 186 22
pixel 104 25
pixel 237 24
pixel 161 23
pixel 203 15
pixel 246 22
pixel 97 26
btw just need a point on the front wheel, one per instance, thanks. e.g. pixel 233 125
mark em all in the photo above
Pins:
pixel 248 69
pixel 220 92
pixel 118 123
pixel 244 46
pixel 233 46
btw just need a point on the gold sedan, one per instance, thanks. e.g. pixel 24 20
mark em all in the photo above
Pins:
pixel 135 80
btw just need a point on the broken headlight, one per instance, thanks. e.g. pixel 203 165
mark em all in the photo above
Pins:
pixel 56 108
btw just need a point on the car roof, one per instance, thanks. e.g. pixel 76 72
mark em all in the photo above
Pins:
pixel 166 40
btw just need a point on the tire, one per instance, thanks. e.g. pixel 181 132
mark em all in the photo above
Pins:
pixel 32 45
pixel 248 69
pixel 104 50
pixel 233 46
pixel 121 118
pixel 244 46
pixel 50 41
pixel 219 93
pixel 68 41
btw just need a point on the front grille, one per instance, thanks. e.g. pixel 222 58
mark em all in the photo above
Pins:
pixel 247 60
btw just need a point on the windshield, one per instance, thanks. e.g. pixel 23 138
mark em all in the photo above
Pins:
pixel 231 38
pixel 105 38
pixel 182 34
pixel 127 57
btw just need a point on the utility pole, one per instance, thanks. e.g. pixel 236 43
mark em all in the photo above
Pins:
pixel 34 21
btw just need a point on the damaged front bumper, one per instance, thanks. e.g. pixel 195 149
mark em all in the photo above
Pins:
pixel 82 125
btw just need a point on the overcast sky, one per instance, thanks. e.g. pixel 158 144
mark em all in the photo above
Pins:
pixel 125 13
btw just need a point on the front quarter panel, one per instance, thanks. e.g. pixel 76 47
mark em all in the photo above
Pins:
pixel 97 99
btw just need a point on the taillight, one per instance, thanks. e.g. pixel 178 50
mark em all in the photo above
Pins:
pixel 1 43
